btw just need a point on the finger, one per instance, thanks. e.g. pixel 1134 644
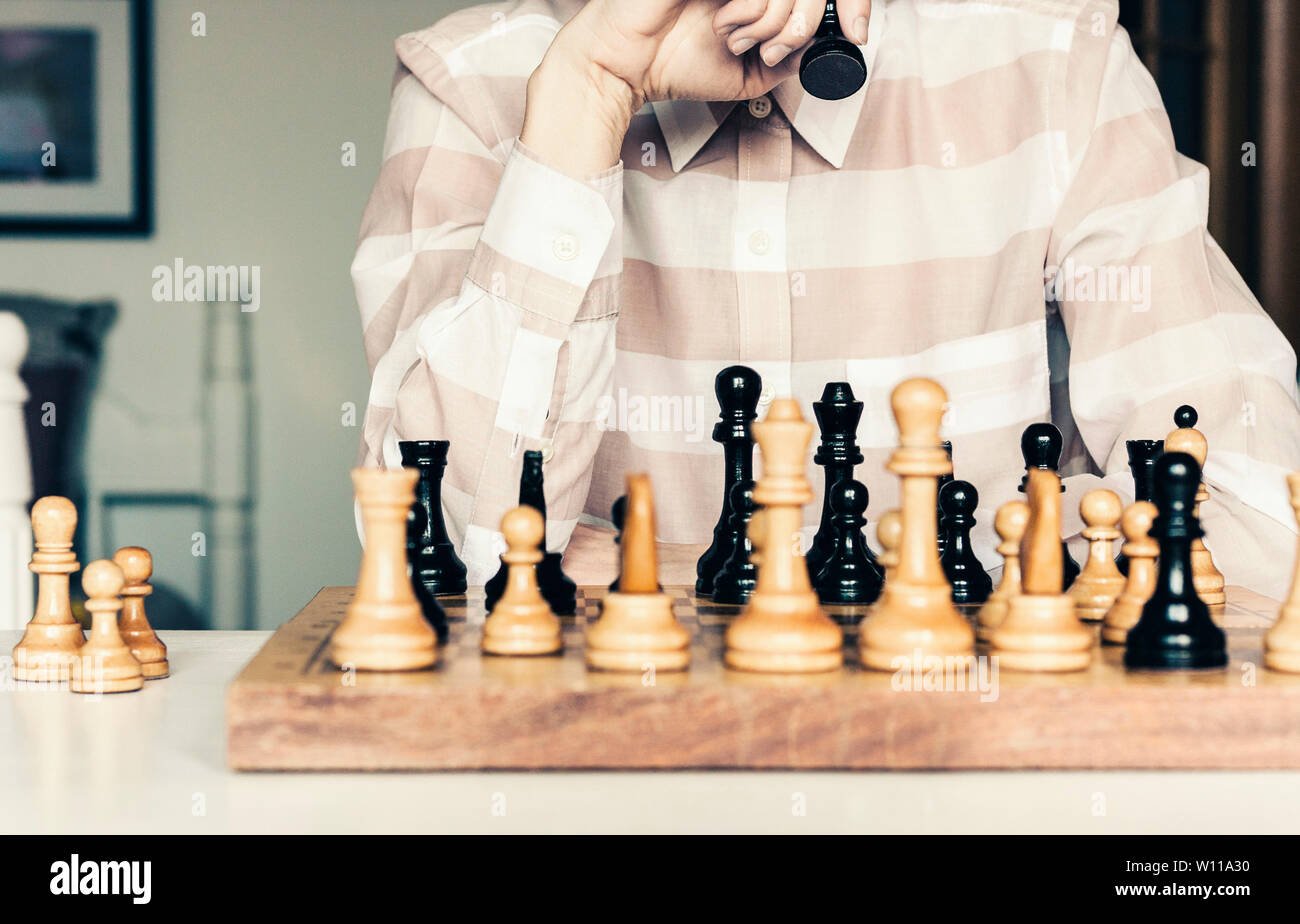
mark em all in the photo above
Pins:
pixel 737 13
pixel 854 15
pixel 772 21
pixel 760 79
pixel 797 32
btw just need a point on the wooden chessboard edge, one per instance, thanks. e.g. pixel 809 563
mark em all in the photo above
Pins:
pixel 280 718
pixel 278 728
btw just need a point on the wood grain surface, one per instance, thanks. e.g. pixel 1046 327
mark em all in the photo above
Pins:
pixel 290 710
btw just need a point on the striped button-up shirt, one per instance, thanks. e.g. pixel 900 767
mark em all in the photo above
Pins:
pixel 1000 208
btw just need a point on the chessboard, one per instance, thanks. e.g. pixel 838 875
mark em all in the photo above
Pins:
pixel 290 709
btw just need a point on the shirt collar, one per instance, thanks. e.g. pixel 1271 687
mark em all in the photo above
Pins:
pixel 827 125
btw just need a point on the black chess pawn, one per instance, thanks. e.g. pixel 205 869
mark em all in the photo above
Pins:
pixel 1185 417
pixel 739 575
pixel 1175 630
pixel 435 561
pixel 434 614
pixel 1142 455
pixel 832 67
pixel 560 592
pixel 617 514
pixel 945 478
pixel 970 582
pixel 837 415
pixel 1040 445
pixel 737 389
pixel 851 575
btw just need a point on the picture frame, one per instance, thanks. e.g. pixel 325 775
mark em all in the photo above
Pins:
pixel 75 118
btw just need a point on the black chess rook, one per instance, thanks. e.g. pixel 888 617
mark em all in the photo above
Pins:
pixel 1142 455
pixel 433 612
pixel 434 558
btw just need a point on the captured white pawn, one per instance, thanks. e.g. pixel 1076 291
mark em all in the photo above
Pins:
pixel 522 622
pixel 105 663
pixel 137 567
pixel 48 648
pixel 1099 584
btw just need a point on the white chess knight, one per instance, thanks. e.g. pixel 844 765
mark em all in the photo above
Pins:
pixel 15 480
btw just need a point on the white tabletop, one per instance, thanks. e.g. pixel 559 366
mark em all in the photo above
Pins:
pixel 154 762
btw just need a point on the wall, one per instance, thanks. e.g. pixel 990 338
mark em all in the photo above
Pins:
pixel 249 121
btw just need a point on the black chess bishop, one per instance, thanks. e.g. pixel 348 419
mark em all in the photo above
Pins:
pixel 560 592
pixel 739 575
pixel 1040 445
pixel 838 414
pixel 737 389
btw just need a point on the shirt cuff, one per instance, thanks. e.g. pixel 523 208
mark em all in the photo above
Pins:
pixel 547 236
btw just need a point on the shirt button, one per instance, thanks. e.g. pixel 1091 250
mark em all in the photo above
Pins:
pixel 766 395
pixel 548 450
pixel 760 242
pixel 760 108
pixel 565 247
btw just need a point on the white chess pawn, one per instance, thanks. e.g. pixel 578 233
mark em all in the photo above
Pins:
pixel 521 622
pixel 104 664
pixel 48 647
pixel 137 567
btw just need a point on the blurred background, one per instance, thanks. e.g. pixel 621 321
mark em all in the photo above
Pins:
pixel 246 134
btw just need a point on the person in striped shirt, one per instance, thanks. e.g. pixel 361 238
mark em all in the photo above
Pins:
pixel 586 210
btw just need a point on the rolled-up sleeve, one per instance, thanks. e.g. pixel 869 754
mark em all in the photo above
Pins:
pixel 1157 317
pixel 488 288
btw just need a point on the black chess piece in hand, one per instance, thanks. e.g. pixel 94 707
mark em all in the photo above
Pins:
pixel 833 67
pixel 851 575
pixel 970 582
pixel 1175 630
pixel 739 576
pixel 1040 445
pixel 737 389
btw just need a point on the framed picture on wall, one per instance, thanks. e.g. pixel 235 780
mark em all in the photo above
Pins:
pixel 75 134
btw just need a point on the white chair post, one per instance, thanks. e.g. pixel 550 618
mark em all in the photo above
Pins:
pixel 15 479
